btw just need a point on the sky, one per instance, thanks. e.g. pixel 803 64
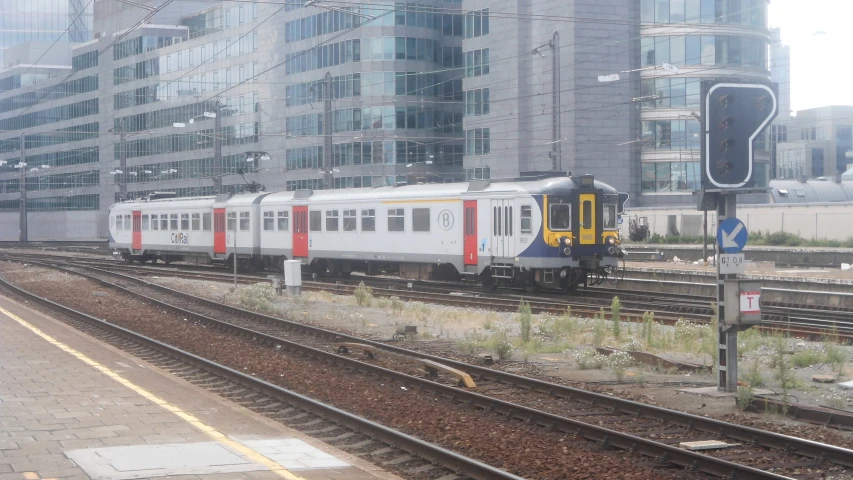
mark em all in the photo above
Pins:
pixel 821 41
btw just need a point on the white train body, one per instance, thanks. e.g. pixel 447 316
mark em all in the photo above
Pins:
pixel 492 232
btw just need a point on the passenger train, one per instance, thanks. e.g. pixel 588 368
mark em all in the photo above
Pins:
pixel 552 233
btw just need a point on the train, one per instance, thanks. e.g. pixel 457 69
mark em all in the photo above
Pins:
pixel 554 233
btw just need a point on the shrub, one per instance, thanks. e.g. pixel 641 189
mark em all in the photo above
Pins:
pixel 500 344
pixel 598 331
pixel 835 399
pixel 397 305
pixel 615 313
pixel 744 397
pixel 363 295
pixel 589 359
pixel 258 297
pixel 618 362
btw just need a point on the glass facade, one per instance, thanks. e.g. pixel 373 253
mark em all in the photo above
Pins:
pixel 42 95
pixel 670 136
pixel 26 20
pixel 706 50
pixel 54 204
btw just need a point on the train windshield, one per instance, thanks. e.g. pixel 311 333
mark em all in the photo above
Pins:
pixel 609 217
pixel 561 217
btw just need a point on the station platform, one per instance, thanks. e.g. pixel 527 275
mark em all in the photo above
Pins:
pixel 74 407
pixel 756 270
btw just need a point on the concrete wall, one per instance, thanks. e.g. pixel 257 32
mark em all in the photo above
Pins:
pixel 52 225
pixel 816 221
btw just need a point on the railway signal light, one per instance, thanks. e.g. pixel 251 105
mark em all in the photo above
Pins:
pixel 734 114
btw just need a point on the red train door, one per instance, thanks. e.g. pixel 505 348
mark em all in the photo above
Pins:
pixel 137 230
pixel 218 230
pixel 470 235
pixel 300 231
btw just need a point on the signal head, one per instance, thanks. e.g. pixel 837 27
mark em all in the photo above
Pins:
pixel 726 100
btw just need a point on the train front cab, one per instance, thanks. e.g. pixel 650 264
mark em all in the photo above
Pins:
pixel 581 226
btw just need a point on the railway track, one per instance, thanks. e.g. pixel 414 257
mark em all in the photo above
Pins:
pixel 811 322
pixel 604 419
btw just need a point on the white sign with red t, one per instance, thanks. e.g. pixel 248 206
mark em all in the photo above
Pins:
pixel 749 302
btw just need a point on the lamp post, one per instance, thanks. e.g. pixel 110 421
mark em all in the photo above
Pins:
pixel 556 129
pixel 22 207
pixel 216 115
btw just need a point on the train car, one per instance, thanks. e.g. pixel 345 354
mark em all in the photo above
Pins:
pixel 555 233
pixel 188 229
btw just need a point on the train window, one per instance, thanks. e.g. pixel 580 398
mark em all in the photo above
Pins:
pixel 205 222
pixel 396 220
pixel 526 219
pixel 173 221
pixel 244 221
pixel 609 217
pixel 185 221
pixel 561 217
pixel 269 221
pixel 420 220
pixel 331 220
pixel 587 214
pixel 196 221
pixel 232 221
pixel 368 220
pixel 145 221
pixel 495 221
pixel 164 222
pixel 127 224
pixel 283 221
pixel 349 220
pixel 155 222
pixel 316 221
pixel 498 213
pixel 117 222
pixel 507 229
pixel 509 223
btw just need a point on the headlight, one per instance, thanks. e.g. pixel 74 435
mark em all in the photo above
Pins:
pixel 567 241
pixel 611 250
pixel 567 251
pixel 611 240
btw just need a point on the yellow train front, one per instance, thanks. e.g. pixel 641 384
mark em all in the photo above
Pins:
pixel 580 233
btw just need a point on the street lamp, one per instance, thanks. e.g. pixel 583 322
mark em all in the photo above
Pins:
pixel 217 142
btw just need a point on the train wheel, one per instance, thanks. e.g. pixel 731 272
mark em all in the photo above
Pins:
pixel 530 288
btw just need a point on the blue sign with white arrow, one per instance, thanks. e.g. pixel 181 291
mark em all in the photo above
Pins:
pixel 732 235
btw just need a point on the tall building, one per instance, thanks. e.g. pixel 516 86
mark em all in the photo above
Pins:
pixel 780 71
pixel 175 98
pixel 42 20
pixel 819 143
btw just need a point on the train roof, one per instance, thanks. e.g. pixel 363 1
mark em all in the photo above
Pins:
pixel 550 186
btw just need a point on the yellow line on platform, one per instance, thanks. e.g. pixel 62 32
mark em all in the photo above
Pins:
pixel 211 432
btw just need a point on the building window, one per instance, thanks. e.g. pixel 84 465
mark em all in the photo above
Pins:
pixel 477 141
pixel 244 221
pixel 368 220
pixel 478 173
pixel 477 102
pixel 669 177
pixel 420 220
pixel 477 63
pixel 349 220
pixel 477 23
pixel 269 221
pixel 331 220
pixel 396 220
pixel 283 221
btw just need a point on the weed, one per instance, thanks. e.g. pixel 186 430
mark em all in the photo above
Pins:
pixel 753 376
pixel 806 358
pixel 472 342
pixel 833 354
pixel 524 317
pixel 489 323
pixel 633 346
pixel 363 295
pixel 648 328
pixel 382 302
pixel 640 380
pixel 686 333
pixel 835 399
pixel 784 374
pixel 500 344
pixel 615 317
pixel 598 331
pixel 397 305
pixel 749 340
pixel 531 347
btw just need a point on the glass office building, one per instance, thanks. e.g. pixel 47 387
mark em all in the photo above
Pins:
pixel 44 20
